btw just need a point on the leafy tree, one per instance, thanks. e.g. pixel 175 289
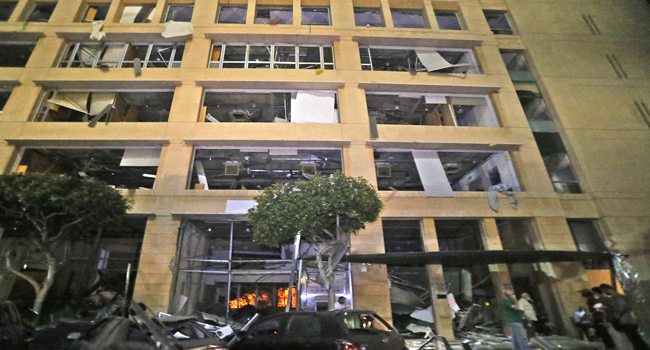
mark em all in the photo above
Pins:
pixel 49 208
pixel 326 210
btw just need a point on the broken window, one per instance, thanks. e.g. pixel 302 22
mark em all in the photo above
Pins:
pixel 517 66
pixel 4 96
pixel 259 168
pixel 274 15
pixel 368 17
pixel 128 168
pixel 138 13
pixel 6 9
pixel 588 239
pixel 418 59
pixel 42 12
pixel 408 18
pixel 431 109
pixel 122 55
pixel 15 54
pixel 274 56
pixel 447 20
pixel 498 22
pixel 234 14
pixel 114 106
pixel 179 13
pixel 319 16
pixel 440 173
pixel 96 12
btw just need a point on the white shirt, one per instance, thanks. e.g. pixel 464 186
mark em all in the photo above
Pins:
pixel 528 309
pixel 339 306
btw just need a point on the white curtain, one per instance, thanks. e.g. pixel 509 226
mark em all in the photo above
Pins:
pixel 313 107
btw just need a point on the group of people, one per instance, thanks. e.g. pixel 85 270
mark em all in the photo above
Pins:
pixel 521 316
pixel 609 314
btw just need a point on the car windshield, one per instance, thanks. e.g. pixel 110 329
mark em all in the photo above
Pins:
pixel 362 321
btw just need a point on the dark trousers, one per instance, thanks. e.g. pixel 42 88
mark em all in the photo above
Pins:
pixel 601 332
pixel 632 333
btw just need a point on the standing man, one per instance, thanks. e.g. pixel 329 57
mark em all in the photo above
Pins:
pixel 619 313
pixel 513 315
pixel 530 316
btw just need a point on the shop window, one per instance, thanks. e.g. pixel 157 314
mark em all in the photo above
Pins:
pixel 122 55
pixel 431 109
pixel 4 96
pixel 15 54
pixel 447 20
pixel 259 168
pixel 138 13
pixel 127 168
pixel 179 13
pixel 441 173
pixel 418 59
pixel 6 9
pixel 96 12
pixel 409 18
pixel 42 12
pixel 94 107
pixel 319 16
pixel 498 22
pixel 368 17
pixel 233 14
pixel 274 15
pixel 274 56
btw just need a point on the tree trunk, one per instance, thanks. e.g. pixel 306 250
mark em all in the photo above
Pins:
pixel 331 293
pixel 45 288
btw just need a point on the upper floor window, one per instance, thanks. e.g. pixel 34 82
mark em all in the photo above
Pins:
pixel 234 14
pixel 368 17
pixel 409 18
pixel 318 16
pixel 588 239
pixel 418 59
pixel 517 66
pixel 274 56
pixel 6 9
pixel 15 54
pixel 121 55
pixel 447 20
pixel 96 12
pixel 138 13
pixel 258 168
pixel 431 109
pixel 4 96
pixel 179 13
pixel 42 12
pixel 274 15
pixel 498 22
pixel 270 106
pixel 107 106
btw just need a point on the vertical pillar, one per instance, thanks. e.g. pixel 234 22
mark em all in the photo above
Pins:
pixel 115 12
pixel 205 13
pixel 46 53
pixel 385 11
pixel 66 11
pixel 250 15
pixel 20 10
pixel 154 280
pixel 23 95
pixel 342 12
pixel 297 13
pixel 441 311
pixel 159 12
pixel 430 15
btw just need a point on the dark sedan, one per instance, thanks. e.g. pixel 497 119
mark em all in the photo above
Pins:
pixel 330 330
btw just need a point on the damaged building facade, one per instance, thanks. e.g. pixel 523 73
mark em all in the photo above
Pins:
pixel 485 125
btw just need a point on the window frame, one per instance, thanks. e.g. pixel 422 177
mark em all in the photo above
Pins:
pixel 244 6
pixel 22 43
pixel 272 62
pixel 33 10
pixel 449 12
pixel 89 6
pixel 271 8
pixel 361 9
pixel 329 15
pixel 170 6
pixel 474 64
pixel 4 89
pixel 172 63
pixel 411 11
pixel 8 5
pixel 510 29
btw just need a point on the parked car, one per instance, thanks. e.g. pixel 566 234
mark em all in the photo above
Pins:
pixel 329 330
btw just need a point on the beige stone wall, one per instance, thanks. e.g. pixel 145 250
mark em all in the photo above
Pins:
pixel 606 135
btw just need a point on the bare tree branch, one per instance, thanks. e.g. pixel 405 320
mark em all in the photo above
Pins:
pixel 37 287
pixel 65 227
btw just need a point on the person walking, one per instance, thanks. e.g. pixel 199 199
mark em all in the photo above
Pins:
pixel 525 304
pixel 619 313
pixel 598 317
pixel 513 315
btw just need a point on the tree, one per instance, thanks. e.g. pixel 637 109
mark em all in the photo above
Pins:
pixel 326 210
pixel 48 208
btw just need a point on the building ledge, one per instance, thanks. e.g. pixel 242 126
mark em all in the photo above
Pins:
pixel 85 142
pixel 445 145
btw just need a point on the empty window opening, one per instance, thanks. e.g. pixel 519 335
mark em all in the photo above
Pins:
pixel 122 55
pixel 447 20
pixel 498 22
pixel 368 17
pixel 130 168
pixel 274 15
pixel 138 13
pixel 6 9
pixel 409 18
pixel 557 162
pixel 440 173
pixel 15 54
pixel 232 14
pixel 259 168
pixel 319 16
pixel 412 59
pixel 179 13
pixel 42 12
pixel 74 106
pixel 516 234
pixel 274 56
pixel 96 12
pixel 431 109
pixel 588 239
pixel 5 93
pixel 536 111
pixel 518 68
